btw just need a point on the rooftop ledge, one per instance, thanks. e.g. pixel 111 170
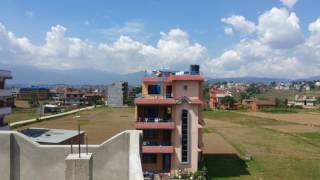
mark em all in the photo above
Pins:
pixel 6 74
pixel 174 78
pixel 154 125
pixel 157 149
pixel 168 101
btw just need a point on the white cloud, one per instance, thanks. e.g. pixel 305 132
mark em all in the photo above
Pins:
pixel 275 47
pixel 289 3
pixel 29 13
pixel 123 55
pixel 128 28
pixel 278 48
pixel 240 24
pixel 279 28
pixel 228 31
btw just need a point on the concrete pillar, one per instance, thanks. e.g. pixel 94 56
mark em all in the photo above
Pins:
pixel 5 156
pixel 79 168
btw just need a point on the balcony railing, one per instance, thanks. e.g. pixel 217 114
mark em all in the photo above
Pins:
pixel 157 147
pixel 155 123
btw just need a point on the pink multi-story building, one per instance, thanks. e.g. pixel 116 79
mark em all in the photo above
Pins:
pixel 170 115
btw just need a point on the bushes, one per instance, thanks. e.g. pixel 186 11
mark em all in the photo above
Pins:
pixel 280 110
pixel 185 174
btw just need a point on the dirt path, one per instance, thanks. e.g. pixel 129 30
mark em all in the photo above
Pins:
pixel 301 118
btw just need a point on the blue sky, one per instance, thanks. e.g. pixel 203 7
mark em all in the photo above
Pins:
pixel 98 24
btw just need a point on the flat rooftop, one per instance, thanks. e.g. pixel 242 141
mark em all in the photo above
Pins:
pixel 52 136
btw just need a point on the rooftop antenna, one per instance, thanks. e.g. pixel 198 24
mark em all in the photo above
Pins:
pixel 86 143
pixel 79 140
pixel 71 146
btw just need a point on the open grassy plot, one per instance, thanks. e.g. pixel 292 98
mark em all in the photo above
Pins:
pixel 261 153
pixel 307 118
pixel 22 111
pixel 238 145
pixel 100 124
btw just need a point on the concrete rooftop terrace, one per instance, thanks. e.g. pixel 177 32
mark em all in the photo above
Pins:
pixel 51 136
pixel 118 158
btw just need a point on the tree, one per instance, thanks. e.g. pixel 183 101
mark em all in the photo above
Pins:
pixel 244 95
pixel 273 84
pixel 280 103
pixel 318 100
pixel 253 89
pixel 206 92
pixel 34 101
pixel 228 101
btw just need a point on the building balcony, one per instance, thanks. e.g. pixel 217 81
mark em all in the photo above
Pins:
pixel 154 125
pixel 156 100
pixel 5 111
pixel 5 93
pixel 155 147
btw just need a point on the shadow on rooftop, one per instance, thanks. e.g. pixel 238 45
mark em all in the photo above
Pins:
pixel 225 165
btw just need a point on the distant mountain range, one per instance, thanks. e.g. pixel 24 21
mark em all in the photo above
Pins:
pixel 26 75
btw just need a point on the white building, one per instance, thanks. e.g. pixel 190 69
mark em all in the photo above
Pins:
pixel 304 101
pixel 5 94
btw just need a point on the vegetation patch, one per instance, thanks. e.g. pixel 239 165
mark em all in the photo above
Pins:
pixel 279 110
pixel 312 137
pixel 208 130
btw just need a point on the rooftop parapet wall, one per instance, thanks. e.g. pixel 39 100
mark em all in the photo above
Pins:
pixel 5 74
pixel 117 158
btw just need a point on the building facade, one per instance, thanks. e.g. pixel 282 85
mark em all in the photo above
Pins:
pixel 5 99
pixel 216 95
pixel 256 105
pixel 303 101
pixel 38 93
pixel 117 94
pixel 170 115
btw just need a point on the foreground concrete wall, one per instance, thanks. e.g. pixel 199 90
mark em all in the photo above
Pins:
pixel 22 159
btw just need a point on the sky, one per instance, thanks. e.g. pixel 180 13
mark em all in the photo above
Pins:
pixel 227 38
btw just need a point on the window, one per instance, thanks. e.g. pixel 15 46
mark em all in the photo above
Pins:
pixel 149 158
pixel 154 89
pixel 184 136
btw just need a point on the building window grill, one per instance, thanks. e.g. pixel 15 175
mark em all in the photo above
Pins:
pixel 184 137
pixel 154 89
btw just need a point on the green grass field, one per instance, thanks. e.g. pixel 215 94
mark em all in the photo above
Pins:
pixel 275 155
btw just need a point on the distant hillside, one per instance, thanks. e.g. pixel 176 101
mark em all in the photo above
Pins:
pixel 30 75
pixel 248 80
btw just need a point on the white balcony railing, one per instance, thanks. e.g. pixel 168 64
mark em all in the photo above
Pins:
pixel 5 92
pixel 5 111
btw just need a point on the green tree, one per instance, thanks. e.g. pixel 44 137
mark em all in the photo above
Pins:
pixel 253 89
pixel 318 100
pixel 228 101
pixel 33 101
pixel 206 90
pixel 244 95
pixel 273 84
